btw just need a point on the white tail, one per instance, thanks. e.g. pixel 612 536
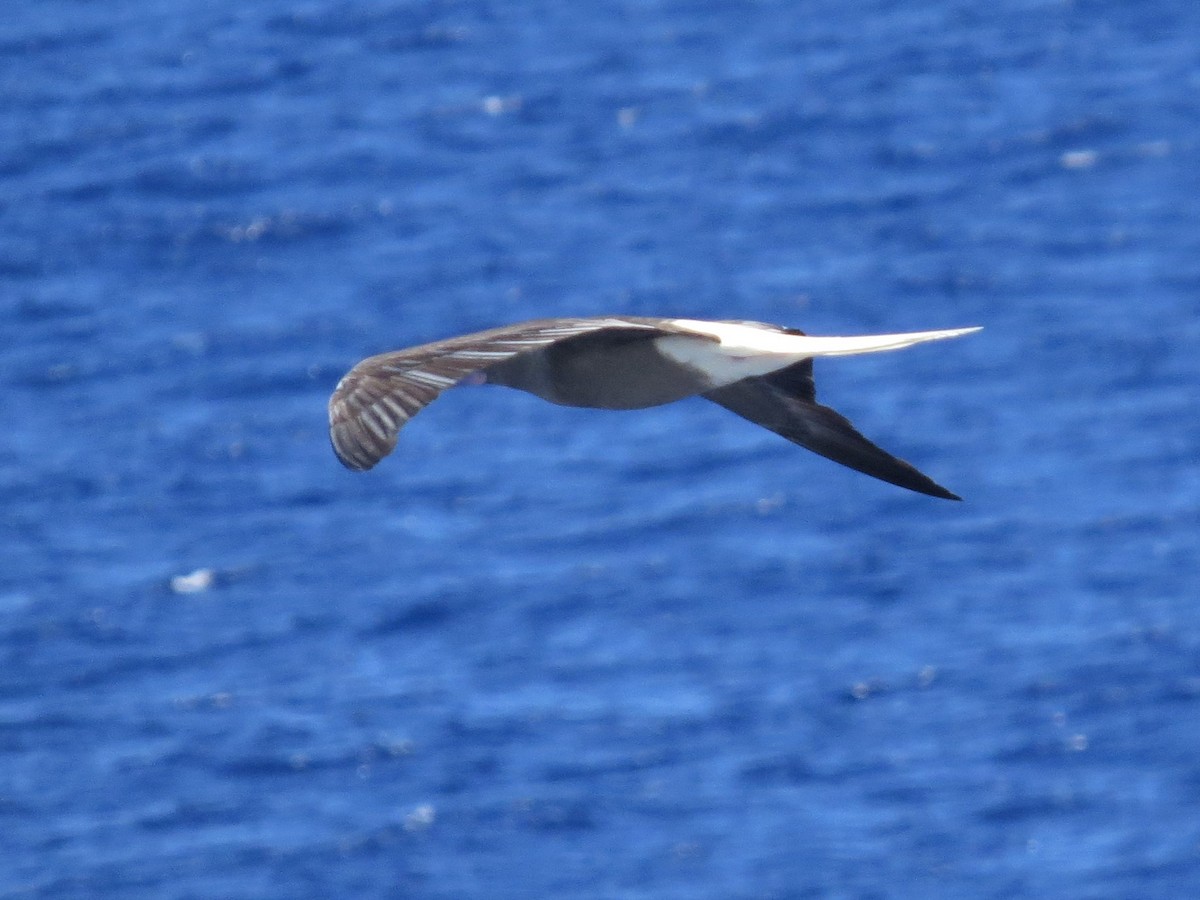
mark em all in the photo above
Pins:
pixel 745 350
pixel 811 345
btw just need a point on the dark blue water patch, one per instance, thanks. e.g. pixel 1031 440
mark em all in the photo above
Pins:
pixel 549 652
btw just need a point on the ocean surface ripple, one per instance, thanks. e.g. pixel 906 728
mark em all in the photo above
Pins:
pixel 547 652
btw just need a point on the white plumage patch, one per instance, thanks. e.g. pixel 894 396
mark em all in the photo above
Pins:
pixel 747 350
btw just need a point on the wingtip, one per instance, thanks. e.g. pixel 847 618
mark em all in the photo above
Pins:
pixel 924 485
pixel 350 453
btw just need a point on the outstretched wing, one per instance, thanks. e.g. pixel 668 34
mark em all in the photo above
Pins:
pixel 379 395
pixel 785 402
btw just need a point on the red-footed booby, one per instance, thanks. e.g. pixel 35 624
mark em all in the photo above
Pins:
pixel 761 372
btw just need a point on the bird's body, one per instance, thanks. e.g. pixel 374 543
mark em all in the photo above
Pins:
pixel 609 369
pixel 761 372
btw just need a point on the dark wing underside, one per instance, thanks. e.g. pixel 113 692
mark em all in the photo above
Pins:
pixel 379 395
pixel 785 402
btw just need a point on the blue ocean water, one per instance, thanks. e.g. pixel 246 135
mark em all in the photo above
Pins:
pixel 546 652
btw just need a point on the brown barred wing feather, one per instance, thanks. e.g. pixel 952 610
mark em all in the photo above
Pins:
pixel 379 395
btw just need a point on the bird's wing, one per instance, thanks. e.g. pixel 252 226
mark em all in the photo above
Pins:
pixel 785 402
pixel 379 395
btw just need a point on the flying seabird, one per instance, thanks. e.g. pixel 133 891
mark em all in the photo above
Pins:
pixel 763 373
